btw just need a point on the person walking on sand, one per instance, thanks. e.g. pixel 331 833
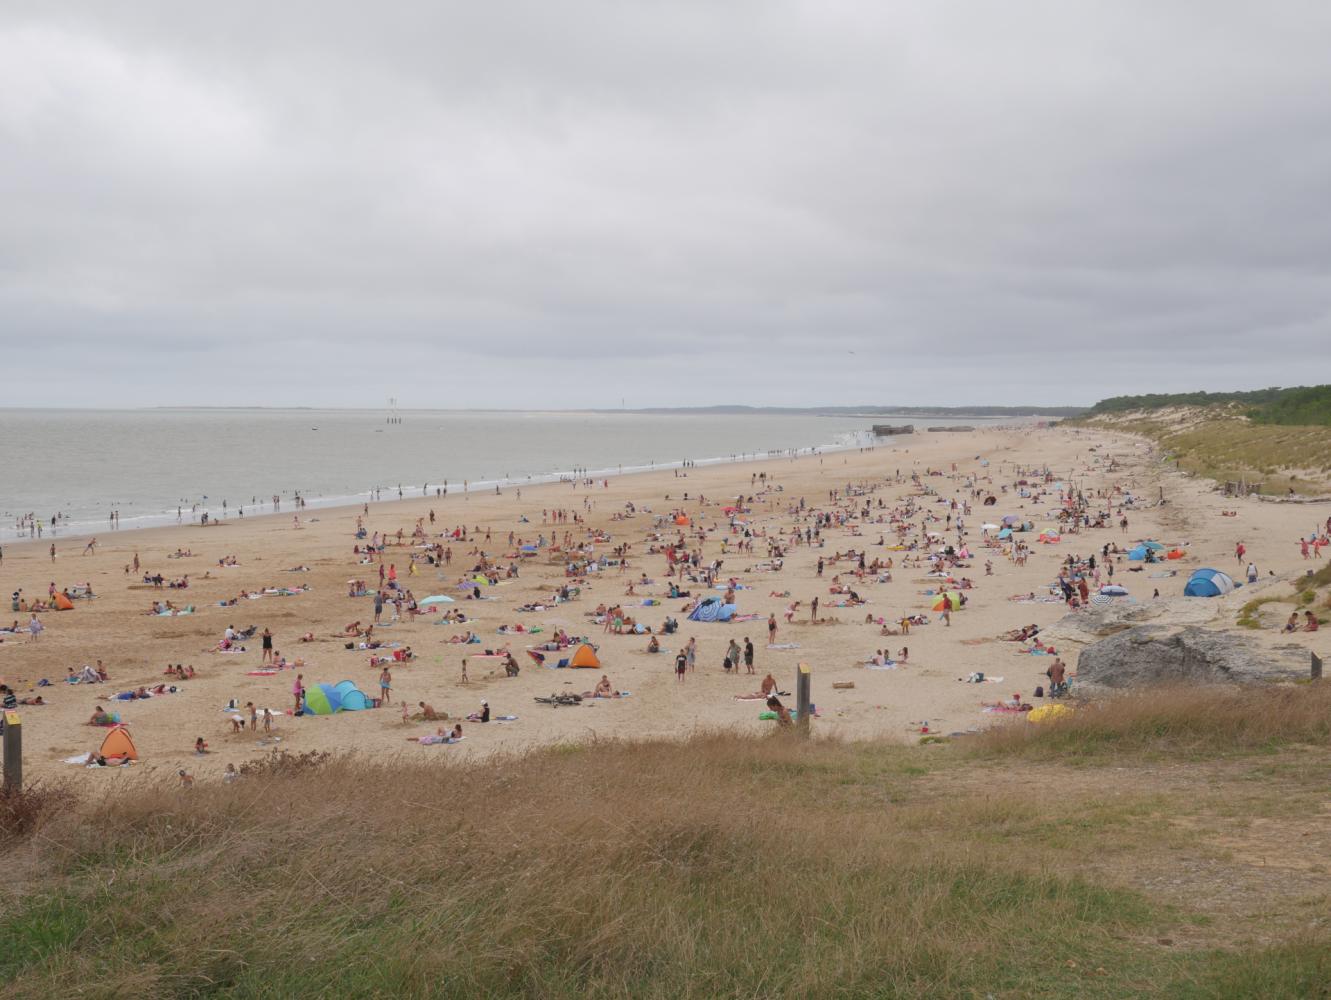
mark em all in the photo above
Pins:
pixel 681 666
pixel 1239 550
pixel 386 686
pixel 298 690
pixel 748 655
pixel 53 552
pixel 771 629
pixel 267 645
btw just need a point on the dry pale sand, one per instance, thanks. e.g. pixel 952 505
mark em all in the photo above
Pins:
pixel 883 704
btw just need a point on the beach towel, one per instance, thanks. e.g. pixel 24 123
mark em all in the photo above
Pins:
pixel 783 645
pixel 885 665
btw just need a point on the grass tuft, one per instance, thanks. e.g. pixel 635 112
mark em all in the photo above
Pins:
pixel 1182 720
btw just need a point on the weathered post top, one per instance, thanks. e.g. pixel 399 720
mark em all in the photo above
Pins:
pixel 803 685
pixel 12 729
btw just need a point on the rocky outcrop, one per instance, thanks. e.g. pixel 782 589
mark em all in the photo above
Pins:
pixel 1159 654
pixel 1097 622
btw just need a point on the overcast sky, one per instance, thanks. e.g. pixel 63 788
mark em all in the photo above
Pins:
pixel 685 202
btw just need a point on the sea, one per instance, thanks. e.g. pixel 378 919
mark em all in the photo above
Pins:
pixel 164 466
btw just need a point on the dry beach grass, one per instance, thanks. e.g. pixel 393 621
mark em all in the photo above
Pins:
pixel 736 867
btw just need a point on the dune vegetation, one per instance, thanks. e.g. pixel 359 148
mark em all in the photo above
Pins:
pixel 1225 444
pixel 1029 862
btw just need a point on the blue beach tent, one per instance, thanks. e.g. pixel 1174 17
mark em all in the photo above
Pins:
pixel 1208 583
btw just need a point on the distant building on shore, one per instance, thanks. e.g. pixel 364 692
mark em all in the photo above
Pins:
pixel 959 429
pixel 887 430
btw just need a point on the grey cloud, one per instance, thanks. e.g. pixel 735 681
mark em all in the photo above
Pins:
pixel 688 202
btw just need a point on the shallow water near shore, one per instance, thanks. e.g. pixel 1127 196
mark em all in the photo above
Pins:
pixel 147 463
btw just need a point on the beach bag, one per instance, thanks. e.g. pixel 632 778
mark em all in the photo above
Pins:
pixel 1039 692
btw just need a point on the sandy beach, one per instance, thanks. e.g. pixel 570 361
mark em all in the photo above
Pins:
pixel 890 704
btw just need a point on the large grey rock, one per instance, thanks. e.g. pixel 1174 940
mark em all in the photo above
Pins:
pixel 1096 622
pixel 1162 654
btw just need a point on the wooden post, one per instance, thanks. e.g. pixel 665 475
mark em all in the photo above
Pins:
pixel 13 746
pixel 1316 667
pixel 803 683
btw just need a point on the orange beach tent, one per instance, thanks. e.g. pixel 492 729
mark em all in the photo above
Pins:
pixel 585 657
pixel 119 744
pixel 63 603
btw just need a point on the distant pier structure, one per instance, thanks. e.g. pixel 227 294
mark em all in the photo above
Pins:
pixel 959 429
pixel 888 430
pixel 393 417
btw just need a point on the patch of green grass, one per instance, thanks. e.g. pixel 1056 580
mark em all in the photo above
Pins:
pixel 39 931
pixel 1299 970
pixel 1248 613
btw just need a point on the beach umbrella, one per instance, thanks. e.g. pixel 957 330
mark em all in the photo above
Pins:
pixel 1011 519
pixel 1153 546
pixel 435 599
pixel 988 527
pixel 956 600
pixel 322 699
pixel 1100 600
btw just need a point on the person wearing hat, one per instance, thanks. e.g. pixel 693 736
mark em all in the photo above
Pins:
pixel 485 710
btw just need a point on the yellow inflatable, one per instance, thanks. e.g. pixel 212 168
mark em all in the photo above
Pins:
pixel 1048 713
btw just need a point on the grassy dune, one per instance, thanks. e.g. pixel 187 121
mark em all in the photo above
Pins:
pixel 1221 443
pixel 721 867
